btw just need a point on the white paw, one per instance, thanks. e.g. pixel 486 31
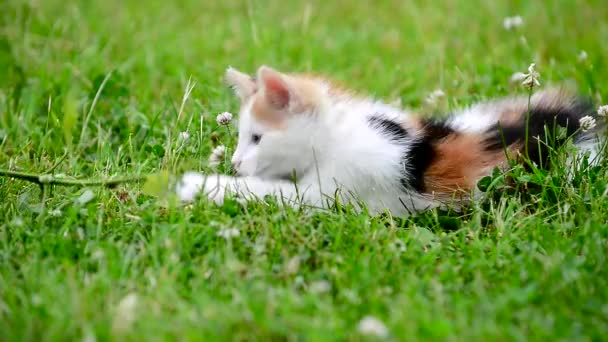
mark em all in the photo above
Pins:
pixel 192 184
pixel 189 186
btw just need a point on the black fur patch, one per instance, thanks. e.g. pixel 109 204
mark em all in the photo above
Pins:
pixel 391 129
pixel 436 129
pixel 543 130
pixel 410 161
pixel 419 158
pixel 421 153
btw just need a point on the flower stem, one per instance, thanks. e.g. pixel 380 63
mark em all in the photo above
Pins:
pixel 528 122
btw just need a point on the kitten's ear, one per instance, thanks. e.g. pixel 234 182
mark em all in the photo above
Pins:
pixel 243 85
pixel 277 89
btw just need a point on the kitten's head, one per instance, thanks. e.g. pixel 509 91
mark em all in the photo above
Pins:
pixel 278 121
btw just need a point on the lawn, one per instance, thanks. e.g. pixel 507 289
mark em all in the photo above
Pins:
pixel 98 89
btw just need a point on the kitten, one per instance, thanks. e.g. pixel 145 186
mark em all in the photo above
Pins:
pixel 306 141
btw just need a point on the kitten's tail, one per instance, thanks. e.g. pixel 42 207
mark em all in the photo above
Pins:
pixel 551 117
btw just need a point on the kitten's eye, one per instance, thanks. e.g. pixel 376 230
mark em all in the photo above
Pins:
pixel 255 138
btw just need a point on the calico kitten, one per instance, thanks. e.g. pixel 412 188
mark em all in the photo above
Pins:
pixel 307 142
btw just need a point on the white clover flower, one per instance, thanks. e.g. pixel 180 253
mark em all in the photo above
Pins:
pixel 174 257
pixel 223 118
pixel 602 110
pixel 228 233
pixel 523 40
pixel 293 265
pixel 89 336
pixel 565 208
pixel 125 314
pixel 510 23
pixel 217 155
pixel 80 233
pixel 320 286
pixel 532 77
pixel 517 77
pixel 36 299
pixel 86 197
pixel 434 97
pixel 587 123
pixel 56 212
pixel 399 246
pixel 373 327
pixel 189 186
pixel 184 136
pixel 517 21
pixel 98 254
pixel 582 56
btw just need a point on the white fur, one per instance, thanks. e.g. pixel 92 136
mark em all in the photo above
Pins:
pixel 333 151
pixel 338 152
pixel 475 119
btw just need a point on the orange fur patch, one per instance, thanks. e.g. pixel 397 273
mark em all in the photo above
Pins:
pixel 305 95
pixel 263 112
pixel 336 88
pixel 460 162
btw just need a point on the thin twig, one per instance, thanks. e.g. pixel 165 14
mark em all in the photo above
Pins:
pixel 48 179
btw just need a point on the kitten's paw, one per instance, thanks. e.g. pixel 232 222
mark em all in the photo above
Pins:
pixel 189 186
pixel 192 183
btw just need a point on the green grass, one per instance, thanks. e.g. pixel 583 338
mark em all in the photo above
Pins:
pixel 94 88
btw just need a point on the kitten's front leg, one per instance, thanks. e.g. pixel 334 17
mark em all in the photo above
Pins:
pixel 213 186
pixel 248 188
